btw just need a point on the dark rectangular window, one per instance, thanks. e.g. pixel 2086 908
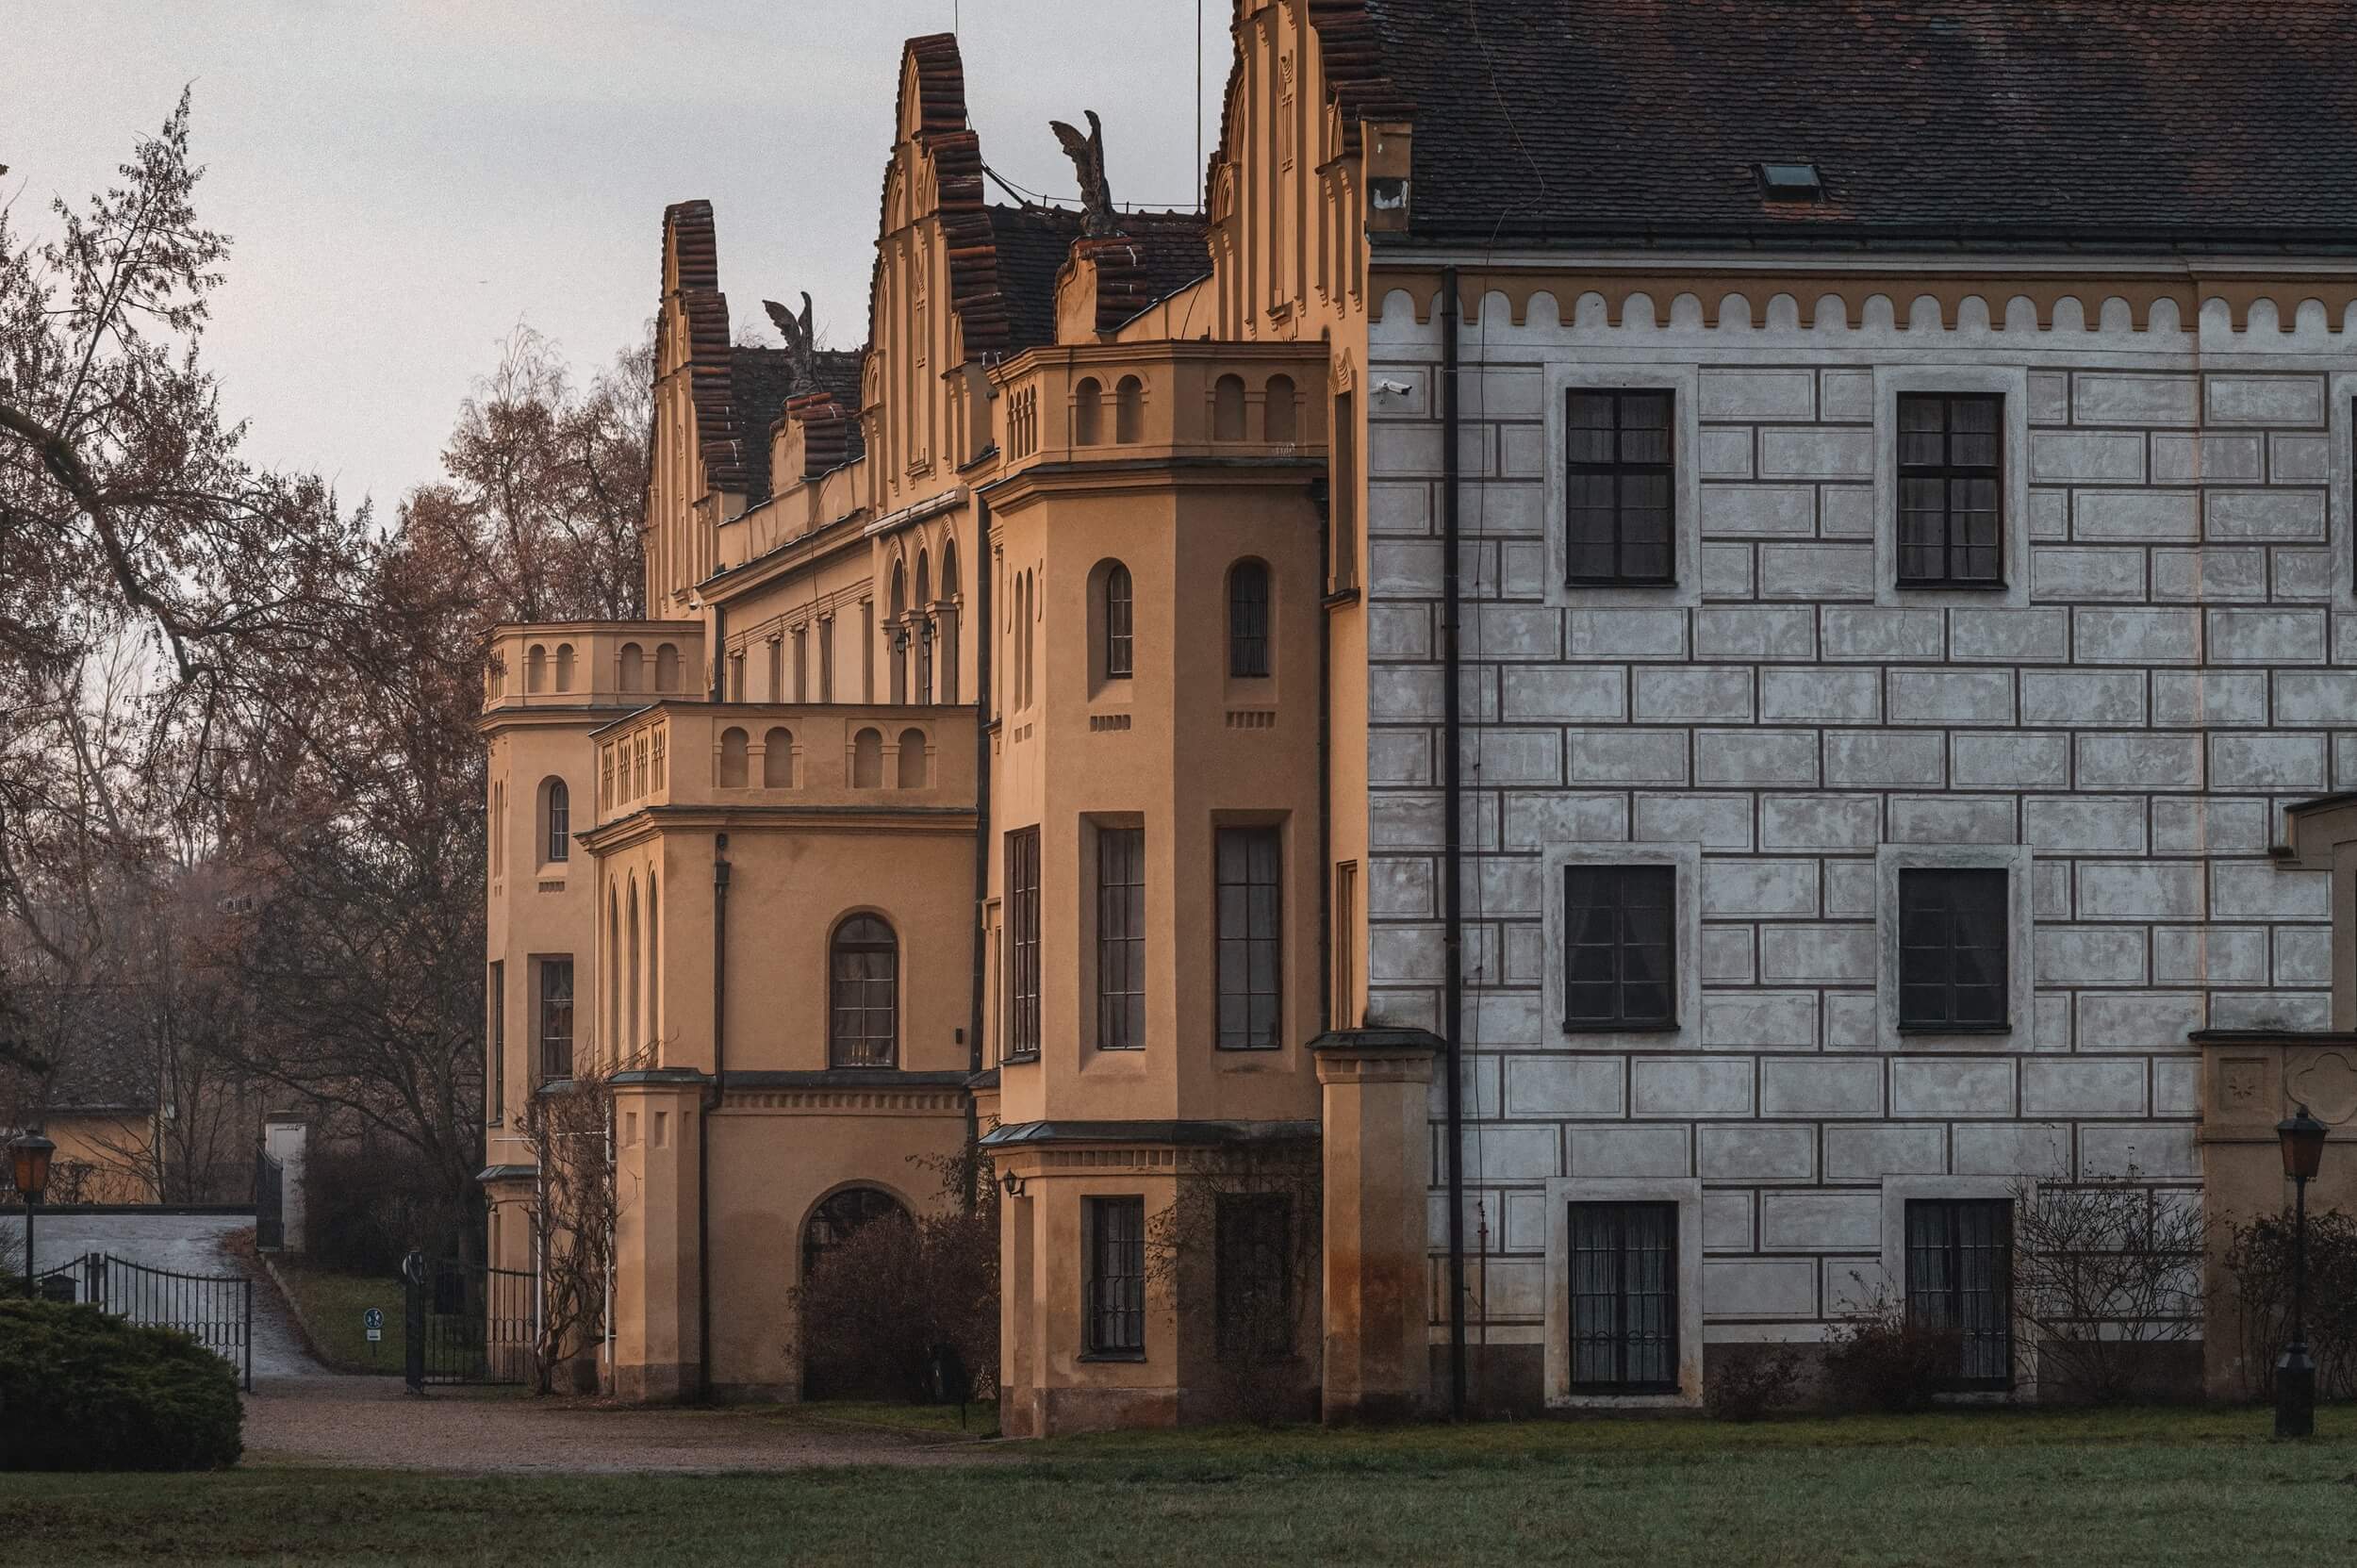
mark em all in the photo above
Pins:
pixel 1343 498
pixel 1617 484
pixel 1251 938
pixel 1951 516
pixel 495 1094
pixel 1252 1247
pixel 1960 1276
pixel 1619 948
pixel 1023 942
pixel 1121 938
pixel 1113 1285
pixel 1247 621
pixel 556 1017
pixel 1952 930
pixel 1624 1300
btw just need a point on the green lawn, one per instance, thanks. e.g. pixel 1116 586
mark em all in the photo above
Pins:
pixel 331 1305
pixel 2144 1488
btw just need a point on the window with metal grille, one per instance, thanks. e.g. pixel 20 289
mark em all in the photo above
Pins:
pixel 1121 938
pixel 1620 948
pixel 1022 875
pixel 1960 1276
pixel 1113 1285
pixel 1617 486
pixel 1117 622
pixel 1951 516
pixel 556 1017
pixel 842 1215
pixel 1952 959
pixel 1252 1247
pixel 1625 1303
pixel 560 820
pixel 1247 619
pixel 864 994
pixel 1251 941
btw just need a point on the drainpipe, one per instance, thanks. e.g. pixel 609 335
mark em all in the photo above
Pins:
pixel 982 632
pixel 1323 499
pixel 1452 855
pixel 720 653
pixel 711 1104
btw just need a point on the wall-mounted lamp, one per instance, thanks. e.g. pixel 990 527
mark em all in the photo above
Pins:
pixel 1012 1183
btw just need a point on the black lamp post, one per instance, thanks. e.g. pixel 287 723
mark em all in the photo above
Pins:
pixel 30 1154
pixel 2303 1139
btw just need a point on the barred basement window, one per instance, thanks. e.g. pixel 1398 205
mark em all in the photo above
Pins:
pixel 1251 938
pixel 556 1017
pixel 1619 960
pixel 1022 878
pixel 1952 950
pixel 1960 1276
pixel 1951 520
pixel 1121 938
pixel 1617 481
pixel 1114 1286
pixel 1625 1306
pixel 1252 1247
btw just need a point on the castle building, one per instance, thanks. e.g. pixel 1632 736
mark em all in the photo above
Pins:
pixel 1583 727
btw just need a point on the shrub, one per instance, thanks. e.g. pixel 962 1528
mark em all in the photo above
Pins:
pixel 1883 1360
pixel 2259 1261
pixel 2104 1271
pixel 1750 1386
pixel 80 1390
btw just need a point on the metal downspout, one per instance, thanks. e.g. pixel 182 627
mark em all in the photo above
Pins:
pixel 1452 896
pixel 710 1103
pixel 983 633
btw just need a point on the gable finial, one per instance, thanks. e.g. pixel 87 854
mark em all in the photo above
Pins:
pixel 1087 153
pixel 800 352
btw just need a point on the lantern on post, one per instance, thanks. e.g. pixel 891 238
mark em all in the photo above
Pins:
pixel 2301 1137
pixel 29 1155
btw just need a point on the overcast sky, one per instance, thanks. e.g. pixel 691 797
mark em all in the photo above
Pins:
pixel 406 180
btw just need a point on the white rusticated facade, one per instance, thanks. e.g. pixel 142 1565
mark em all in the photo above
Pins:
pixel 2169 663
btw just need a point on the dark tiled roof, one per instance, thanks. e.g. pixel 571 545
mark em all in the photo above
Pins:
pixel 1032 242
pixel 690 236
pixel 1156 254
pixel 2183 122
pixel 839 378
pixel 76 1049
pixel 758 379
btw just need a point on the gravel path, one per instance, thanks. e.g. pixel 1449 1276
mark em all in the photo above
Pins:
pixel 375 1422
pixel 185 1243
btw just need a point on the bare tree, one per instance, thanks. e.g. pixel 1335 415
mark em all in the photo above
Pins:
pixel 569 1129
pixel 1243 1233
pixel 2105 1271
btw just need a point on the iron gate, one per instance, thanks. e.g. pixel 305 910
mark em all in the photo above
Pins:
pixel 214 1310
pixel 269 1202
pixel 466 1322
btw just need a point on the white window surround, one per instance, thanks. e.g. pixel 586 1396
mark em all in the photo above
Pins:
pixel 1684 384
pixel 2021 984
pixel 2340 494
pixel 2012 381
pixel 1686 936
pixel 1687 1193
pixel 1898 1192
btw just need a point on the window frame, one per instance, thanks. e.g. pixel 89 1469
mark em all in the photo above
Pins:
pixel 840 942
pixel 1120 612
pixel 1251 651
pixel 558 849
pixel 1918 879
pixel 1621 1021
pixel 1125 1313
pixel 1620 469
pixel 1120 935
pixel 1950 472
pixel 1997 1290
pixel 1618 1216
pixel 1271 940
pixel 1686 1193
pixel 1021 877
pixel 545 999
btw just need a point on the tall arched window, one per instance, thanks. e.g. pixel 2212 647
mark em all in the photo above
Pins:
pixel 1227 408
pixel 655 965
pixel 1129 410
pixel 537 669
pixel 634 1014
pixel 564 666
pixel 923 630
pixel 912 759
pixel 733 758
pixel 1088 412
pixel 833 1221
pixel 1277 415
pixel 777 760
pixel 1117 622
pixel 557 813
pixel 1247 619
pixel 666 669
pixel 629 669
pixel 867 760
pixel 950 618
pixel 864 993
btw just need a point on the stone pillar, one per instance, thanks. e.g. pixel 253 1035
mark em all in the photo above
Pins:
pixel 287 1138
pixel 657 1282
pixel 1378 1169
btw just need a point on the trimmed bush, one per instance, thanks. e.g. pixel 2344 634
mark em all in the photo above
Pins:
pixel 80 1390
pixel 1883 1360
